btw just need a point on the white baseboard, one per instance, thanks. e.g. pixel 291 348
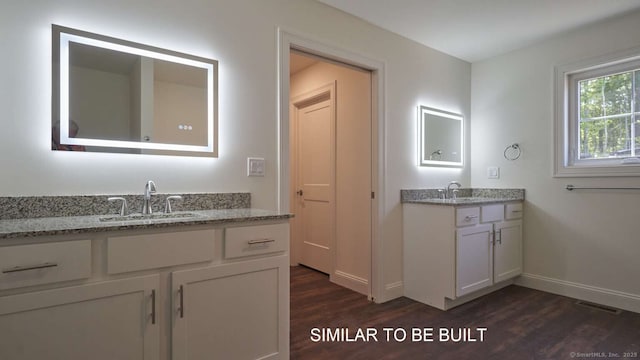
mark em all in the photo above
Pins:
pixel 350 281
pixel 391 291
pixel 613 298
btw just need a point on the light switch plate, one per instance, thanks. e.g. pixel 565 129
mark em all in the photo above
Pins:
pixel 255 167
pixel 493 172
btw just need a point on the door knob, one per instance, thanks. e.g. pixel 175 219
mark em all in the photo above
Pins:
pixel 300 192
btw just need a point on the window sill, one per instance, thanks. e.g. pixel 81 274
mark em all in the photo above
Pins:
pixel 613 170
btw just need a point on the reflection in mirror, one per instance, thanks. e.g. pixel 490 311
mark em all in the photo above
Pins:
pixel 113 95
pixel 441 137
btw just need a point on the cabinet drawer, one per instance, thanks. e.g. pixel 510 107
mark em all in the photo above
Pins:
pixel 151 251
pixel 491 213
pixel 255 240
pixel 513 211
pixel 26 265
pixel 467 216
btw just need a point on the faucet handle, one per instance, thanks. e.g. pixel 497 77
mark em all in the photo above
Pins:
pixel 167 204
pixel 124 209
pixel 150 186
pixel 454 194
pixel 442 194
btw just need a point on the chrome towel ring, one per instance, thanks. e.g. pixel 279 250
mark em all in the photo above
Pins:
pixel 512 152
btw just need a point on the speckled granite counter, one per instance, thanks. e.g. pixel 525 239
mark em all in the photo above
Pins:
pixel 466 196
pixel 31 227
pixel 32 216
pixel 21 207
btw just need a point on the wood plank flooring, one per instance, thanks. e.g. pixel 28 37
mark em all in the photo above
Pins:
pixel 521 323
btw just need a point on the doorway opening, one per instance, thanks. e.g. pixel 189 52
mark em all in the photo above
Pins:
pixel 331 168
pixel 288 42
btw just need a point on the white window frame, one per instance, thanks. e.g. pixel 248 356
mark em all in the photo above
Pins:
pixel 566 162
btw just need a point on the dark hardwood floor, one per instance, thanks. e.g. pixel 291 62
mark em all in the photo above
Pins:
pixel 521 323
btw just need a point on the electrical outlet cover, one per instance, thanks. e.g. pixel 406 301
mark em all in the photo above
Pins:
pixel 493 172
pixel 255 167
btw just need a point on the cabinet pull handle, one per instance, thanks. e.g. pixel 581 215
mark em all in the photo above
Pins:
pixel 260 241
pixel 29 267
pixel 181 309
pixel 516 211
pixel 498 235
pixel 469 217
pixel 153 306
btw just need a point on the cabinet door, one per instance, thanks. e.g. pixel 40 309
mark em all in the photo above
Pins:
pixel 474 258
pixel 107 320
pixel 232 311
pixel 508 250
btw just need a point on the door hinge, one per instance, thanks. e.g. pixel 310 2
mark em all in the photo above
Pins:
pixel 373 195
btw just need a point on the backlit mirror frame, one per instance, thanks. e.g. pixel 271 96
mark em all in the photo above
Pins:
pixel 63 36
pixel 429 155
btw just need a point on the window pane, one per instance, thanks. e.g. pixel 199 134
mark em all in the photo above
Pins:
pixel 606 95
pixel 591 98
pixel 618 93
pixel 636 143
pixel 637 89
pixel 606 138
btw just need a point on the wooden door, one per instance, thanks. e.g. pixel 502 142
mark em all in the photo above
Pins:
pixel 102 321
pixel 507 250
pixel 231 311
pixel 474 258
pixel 315 149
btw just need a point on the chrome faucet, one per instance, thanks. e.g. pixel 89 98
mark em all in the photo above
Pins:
pixel 149 189
pixel 167 203
pixel 453 194
pixel 124 209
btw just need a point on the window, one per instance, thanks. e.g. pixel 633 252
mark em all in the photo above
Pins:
pixel 598 117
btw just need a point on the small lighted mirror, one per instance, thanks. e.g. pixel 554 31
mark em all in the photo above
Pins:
pixel 112 95
pixel 441 137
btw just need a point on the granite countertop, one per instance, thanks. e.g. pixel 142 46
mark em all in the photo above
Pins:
pixel 468 196
pixel 48 226
pixel 462 201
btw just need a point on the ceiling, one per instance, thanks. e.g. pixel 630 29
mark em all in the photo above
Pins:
pixel 299 62
pixel 474 30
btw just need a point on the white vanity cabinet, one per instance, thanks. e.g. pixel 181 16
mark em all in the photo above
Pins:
pixel 474 259
pixel 455 254
pixel 488 253
pixel 103 321
pixel 239 309
pixel 168 293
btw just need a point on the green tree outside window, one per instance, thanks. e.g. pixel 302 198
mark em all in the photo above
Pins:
pixel 609 124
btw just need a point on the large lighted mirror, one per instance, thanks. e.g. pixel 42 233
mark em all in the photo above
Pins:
pixel 441 137
pixel 112 95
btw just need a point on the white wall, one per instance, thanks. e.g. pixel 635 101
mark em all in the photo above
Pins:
pixel 415 76
pixel 242 36
pixel 582 243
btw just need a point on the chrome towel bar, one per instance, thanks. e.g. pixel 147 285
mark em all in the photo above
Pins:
pixel 571 187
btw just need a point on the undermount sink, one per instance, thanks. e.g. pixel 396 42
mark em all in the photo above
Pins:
pixel 141 217
pixel 468 199
pixel 459 200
